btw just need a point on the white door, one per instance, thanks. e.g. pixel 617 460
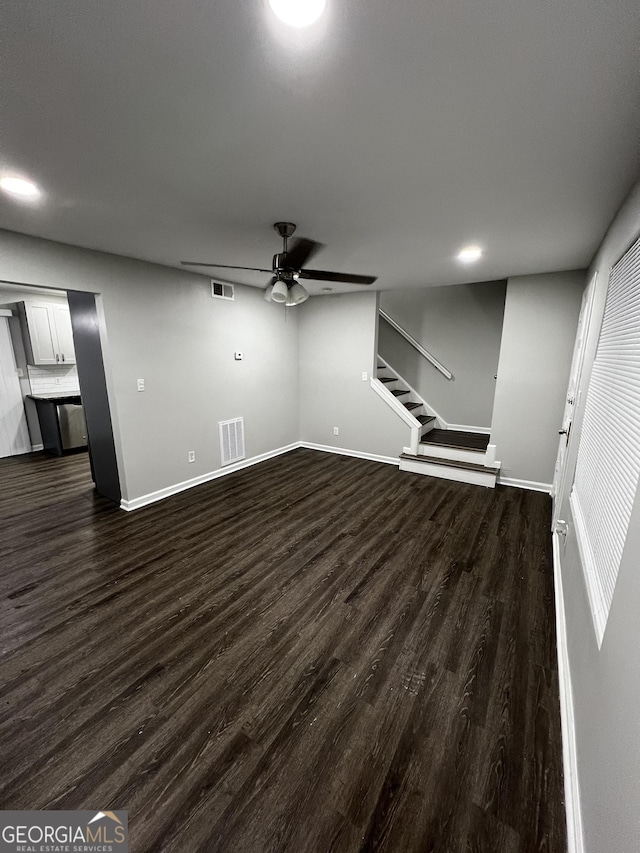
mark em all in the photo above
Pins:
pixel 571 403
pixel 14 435
pixel 64 334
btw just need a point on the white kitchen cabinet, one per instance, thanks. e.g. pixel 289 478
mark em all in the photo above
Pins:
pixel 46 328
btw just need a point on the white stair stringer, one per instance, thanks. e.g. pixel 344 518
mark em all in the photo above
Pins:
pixel 475 474
pixel 439 422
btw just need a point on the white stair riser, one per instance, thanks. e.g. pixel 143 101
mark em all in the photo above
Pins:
pixel 428 427
pixel 415 412
pixel 458 454
pixel 460 475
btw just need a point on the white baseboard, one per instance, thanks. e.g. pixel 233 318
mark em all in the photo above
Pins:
pixel 342 451
pixel 36 447
pixel 468 428
pixel 525 484
pixel 152 497
pixel 575 840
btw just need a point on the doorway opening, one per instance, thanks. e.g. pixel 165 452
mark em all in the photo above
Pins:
pixel 51 362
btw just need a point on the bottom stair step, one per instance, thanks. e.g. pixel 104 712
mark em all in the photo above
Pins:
pixel 449 469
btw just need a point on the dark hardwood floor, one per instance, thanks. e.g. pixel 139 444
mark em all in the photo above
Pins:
pixel 315 654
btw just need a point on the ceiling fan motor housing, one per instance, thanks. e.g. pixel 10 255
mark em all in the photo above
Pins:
pixel 279 266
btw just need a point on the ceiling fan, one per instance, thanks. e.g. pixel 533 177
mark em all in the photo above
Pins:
pixel 287 268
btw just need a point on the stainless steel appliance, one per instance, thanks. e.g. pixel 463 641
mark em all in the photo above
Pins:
pixel 73 429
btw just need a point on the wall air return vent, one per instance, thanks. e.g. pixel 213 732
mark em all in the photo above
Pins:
pixel 231 440
pixel 221 291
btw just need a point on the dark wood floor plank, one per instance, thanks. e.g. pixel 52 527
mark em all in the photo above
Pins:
pixel 314 654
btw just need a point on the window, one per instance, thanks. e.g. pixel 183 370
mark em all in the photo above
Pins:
pixel 608 464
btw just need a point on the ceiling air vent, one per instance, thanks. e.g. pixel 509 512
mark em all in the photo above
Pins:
pixel 221 291
pixel 231 440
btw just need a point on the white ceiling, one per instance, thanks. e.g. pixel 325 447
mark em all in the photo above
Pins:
pixel 393 132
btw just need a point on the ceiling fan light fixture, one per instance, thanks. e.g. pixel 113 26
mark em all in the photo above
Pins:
pixel 279 292
pixel 297 295
pixel 298 13
pixel 267 293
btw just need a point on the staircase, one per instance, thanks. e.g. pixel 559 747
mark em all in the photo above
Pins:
pixel 446 453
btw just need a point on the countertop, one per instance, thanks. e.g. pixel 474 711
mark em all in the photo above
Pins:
pixel 55 398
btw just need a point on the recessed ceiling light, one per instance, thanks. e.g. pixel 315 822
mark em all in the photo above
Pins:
pixel 470 254
pixel 20 187
pixel 298 13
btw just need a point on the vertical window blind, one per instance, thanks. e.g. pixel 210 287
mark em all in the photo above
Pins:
pixel 608 463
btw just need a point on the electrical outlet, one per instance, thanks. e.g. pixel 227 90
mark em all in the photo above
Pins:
pixel 192 456
pixel 336 431
pixel 238 355
pixel 364 376
pixel 140 384
pixel 58 380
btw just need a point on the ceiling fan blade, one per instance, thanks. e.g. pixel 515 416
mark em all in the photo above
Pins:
pixel 301 251
pixel 345 278
pixel 221 266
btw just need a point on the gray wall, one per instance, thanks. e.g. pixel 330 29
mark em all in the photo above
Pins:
pixel 540 322
pixel 337 343
pixel 606 681
pixel 162 325
pixel 461 326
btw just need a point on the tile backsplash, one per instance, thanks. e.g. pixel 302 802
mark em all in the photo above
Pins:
pixel 53 380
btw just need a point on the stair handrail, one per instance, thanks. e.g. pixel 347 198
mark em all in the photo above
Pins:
pixel 418 346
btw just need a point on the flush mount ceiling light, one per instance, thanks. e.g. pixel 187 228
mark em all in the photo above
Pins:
pixel 298 13
pixel 470 254
pixel 20 188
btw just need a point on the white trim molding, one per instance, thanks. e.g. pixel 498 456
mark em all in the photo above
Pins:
pixel 440 421
pixel 392 401
pixel 343 451
pixel 599 612
pixel 152 497
pixel 531 485
pixel 36 447
pixel 468 428
pixel 575 838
